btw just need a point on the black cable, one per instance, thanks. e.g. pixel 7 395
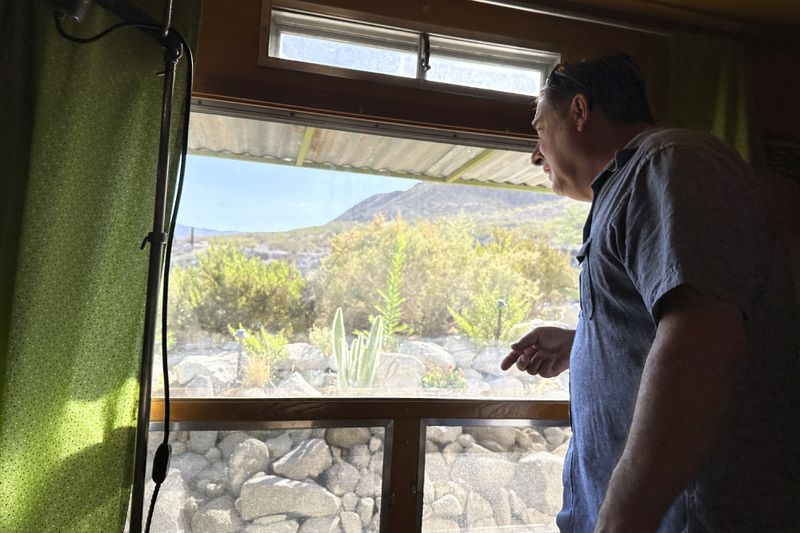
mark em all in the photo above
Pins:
pixel 152 507
pixel 161 459
pixel 85 40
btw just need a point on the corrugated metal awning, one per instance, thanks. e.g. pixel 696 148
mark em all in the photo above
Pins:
pixel 333 149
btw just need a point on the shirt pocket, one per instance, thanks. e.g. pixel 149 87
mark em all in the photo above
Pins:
pixel 585 279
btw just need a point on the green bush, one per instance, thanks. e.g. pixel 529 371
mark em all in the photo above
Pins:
pixel 360 261
pixel 226 287
pixel 436 276
pixel 263 350
pixel 444 378
pixel 391 299
pixel 357 363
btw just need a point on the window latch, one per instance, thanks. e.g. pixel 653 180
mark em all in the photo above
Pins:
pixel 424 52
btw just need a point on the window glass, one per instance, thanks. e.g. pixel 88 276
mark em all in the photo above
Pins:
pixel 482 75
pixel 490 478
pixel 278 480
pixel 339 53
pixel 283 277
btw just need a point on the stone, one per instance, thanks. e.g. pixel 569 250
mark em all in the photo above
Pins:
pixel 178 448
pixel 492 446
pixel 295 386
pixel 359 456
pixel 451 488
pixel 271 519
pixel 217 516
pixel 436 469
pixel 506 386
pixel 501 507
pixel 279 446
pixel 214 455
pixel 465 440
pixel 488 360
pixel 200 387
pixel 349 501
pixel 264 495
pixel 375 444
pixel 347 437
pixel 397 372
pixel 376 462
pixel 298 435
pixel 447 507
pixel 321 524
pixel 369 484
pixel 451 451
pixel 301 356
pixel 228 444
pixel 442 434
pixel 431 355
pixel 220 368
pixel 555 436
pixel 364 509
pixel 561 451
pixel 478 511
pixel 213 481
pixel 431 448
pixel 340 478
pixel 200 442
pixel 307 459
pixel 530 441
pixel 485 473
pixel 285 526
pixel 462 349
pixel 250 456
pixel 518 507
pixel 538 481
pixel 439 525
pixel 189 464
pixel 351 523
pixel 504 436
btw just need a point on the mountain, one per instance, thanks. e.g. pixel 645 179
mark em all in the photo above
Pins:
pixel 184 232
pixel 431 200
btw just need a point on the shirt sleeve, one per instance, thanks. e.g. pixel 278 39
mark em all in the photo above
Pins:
pixel 690 221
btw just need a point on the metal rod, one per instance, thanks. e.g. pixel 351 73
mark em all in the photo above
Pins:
pixel 157 241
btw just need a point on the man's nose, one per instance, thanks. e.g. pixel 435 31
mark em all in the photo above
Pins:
pixel 537 158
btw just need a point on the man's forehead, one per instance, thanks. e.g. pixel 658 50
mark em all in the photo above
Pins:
pixel 539 107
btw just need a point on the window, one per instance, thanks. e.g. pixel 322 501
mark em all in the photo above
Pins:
pixel 407 54
pixel 284 273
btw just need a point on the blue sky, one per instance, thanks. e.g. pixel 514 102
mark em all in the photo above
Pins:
pixel 233 195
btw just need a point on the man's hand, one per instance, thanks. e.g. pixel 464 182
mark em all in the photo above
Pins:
pixel 543 351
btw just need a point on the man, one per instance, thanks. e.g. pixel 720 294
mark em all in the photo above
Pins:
pixel 684 364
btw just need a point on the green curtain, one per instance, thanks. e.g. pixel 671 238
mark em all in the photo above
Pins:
pixel 708 88
pixel 79 133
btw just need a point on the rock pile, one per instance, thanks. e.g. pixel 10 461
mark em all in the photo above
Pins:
pixel 330 480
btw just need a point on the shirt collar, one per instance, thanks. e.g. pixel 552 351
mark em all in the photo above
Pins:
pixel 621 156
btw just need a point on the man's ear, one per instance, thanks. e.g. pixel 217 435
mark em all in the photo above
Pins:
pixel 579 111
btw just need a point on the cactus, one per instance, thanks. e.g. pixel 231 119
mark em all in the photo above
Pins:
pixel 357 365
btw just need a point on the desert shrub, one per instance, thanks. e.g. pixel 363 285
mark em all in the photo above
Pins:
pixel 443 378
pixel 320 336
pixel 433 272
pixel 263 350
pixel 496 288
pixel 226 287
pixel 390 309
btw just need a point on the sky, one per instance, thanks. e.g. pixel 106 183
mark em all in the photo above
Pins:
pixel 232 195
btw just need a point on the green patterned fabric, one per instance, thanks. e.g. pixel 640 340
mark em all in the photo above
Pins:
pixel 708 88
pixel 80 136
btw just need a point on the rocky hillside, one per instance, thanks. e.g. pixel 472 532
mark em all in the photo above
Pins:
pixel 433 200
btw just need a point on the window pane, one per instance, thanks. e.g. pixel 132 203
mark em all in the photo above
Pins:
pixel 317 480
pixel 483 75
pixel 265 255
pixel 339 53
pixel 484 478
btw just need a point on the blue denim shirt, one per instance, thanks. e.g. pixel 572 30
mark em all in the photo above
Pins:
pixel 678 208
